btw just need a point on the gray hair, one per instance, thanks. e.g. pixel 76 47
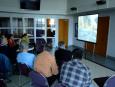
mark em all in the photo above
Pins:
pixel 23 45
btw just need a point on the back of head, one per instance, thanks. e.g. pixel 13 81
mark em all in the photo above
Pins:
pixel 25 38
pixel 9 36
pixel 61 44
pixel 24 35
pixel 77 53
pixel 47 48
pixel 23 46
pixel 4 40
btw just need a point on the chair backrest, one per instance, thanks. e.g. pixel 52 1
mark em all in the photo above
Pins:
pixel 38 80
pixel 100 81
pixel 23 69
pixel 110 82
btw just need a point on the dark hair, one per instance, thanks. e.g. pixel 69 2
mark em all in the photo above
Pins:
pixel 61 44
pixel 77 53
pixel 9 36
pixel 25 34
pixel 47 48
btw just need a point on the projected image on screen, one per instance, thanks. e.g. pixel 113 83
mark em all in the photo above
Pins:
pixel 87 28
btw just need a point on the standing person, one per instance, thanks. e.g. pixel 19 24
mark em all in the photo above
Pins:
pixel 24 57
pixel 74 73
pixel 46 65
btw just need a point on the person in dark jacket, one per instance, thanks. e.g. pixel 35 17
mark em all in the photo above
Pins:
pixel 62 54
pixel 5 66
pixel 12 48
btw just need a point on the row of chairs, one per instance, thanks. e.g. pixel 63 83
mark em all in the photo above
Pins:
pixel 38 80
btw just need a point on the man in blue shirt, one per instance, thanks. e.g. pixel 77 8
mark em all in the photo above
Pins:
pixel 74 73
pixel 24 57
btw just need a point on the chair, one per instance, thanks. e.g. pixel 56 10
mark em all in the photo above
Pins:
pixel 100 81
pixel 2 83
pixel 23 70
pixel 38 80
pixel 110 82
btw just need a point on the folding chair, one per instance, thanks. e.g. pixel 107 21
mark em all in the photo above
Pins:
pixel 23 70
pixel 2 83
pixel 100 81
pixel 110 82
pixel 38 80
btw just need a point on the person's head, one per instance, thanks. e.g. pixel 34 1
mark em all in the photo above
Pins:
pixel 4 40
pixel 61 44
pixel 24 35
pixel 77 54
pixel 9 36
pixel 25 38
pixel 47 48
pixel 23 46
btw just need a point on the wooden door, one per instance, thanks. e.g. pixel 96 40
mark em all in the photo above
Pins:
pixel 102 37
pixel 63 31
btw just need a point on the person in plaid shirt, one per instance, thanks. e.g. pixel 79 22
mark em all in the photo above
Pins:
pixel 74 73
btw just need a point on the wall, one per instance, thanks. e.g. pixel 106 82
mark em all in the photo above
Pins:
pixel 46 7
pixel 61 7
pixel 89 5
pixel 71 32
pixel 111 34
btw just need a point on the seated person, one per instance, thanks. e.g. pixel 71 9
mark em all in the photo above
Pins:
pixel 46 65
pixel 12 48
pixel 5 67
pixel 24 57
pixel 11 42
pixel 4 45
pixel 62 54
pixel 25 38
pixel 3 40
pixel 74 73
